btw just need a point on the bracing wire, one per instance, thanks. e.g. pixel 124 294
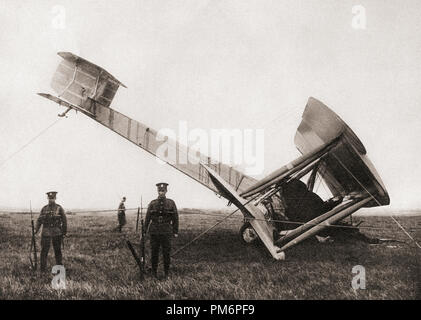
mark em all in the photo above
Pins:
pixel 393 218
pixel 29 142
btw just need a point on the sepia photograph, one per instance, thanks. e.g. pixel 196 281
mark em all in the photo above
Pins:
pixel 210 154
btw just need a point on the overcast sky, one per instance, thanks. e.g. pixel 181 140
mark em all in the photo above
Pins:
pixel 215 64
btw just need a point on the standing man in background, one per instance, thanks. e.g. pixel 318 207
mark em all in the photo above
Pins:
pixel 121 214
pixel 54 222
pixel 162 220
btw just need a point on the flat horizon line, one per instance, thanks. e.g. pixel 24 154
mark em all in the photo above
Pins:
pixel 376 211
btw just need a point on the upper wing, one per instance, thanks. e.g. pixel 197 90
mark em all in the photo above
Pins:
pixel 346 168
pixel 77 79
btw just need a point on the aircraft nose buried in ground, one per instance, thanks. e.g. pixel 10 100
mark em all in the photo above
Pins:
pixel 281 210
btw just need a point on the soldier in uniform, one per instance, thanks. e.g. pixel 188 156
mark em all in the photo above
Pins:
pixel 54 222
pixel 162 220
pixel 121 214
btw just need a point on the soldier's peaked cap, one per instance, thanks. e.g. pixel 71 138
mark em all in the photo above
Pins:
pixel 162 186
pixel 51 194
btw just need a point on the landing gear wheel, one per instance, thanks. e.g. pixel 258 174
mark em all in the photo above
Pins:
pixel 248 235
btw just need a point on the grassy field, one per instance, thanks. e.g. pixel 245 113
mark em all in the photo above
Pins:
pixel 217 266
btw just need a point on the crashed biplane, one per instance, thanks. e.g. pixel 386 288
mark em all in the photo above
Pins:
pixel 281 210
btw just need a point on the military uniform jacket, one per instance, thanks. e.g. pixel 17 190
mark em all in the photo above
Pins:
pixel 121 213
pixel 53 219
pixel 121 208
pixel 162 216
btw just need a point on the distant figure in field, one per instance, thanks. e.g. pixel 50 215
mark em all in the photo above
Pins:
pixel 162 220
pixel 121 214
pixel 54 227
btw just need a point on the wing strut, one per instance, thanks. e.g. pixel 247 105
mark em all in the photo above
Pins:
pixel 335 216
pixel 259 223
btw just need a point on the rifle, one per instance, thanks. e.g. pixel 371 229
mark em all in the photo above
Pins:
pixel 139 261
pixel 136 258
pixel 142 247
pixel 33 250
pixel 139 210
pixel 137 220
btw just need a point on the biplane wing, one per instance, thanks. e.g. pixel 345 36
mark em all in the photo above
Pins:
pixel 77 79
pixel 332 148
pixel 346 169
pixel 88 66
pixel 90 89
